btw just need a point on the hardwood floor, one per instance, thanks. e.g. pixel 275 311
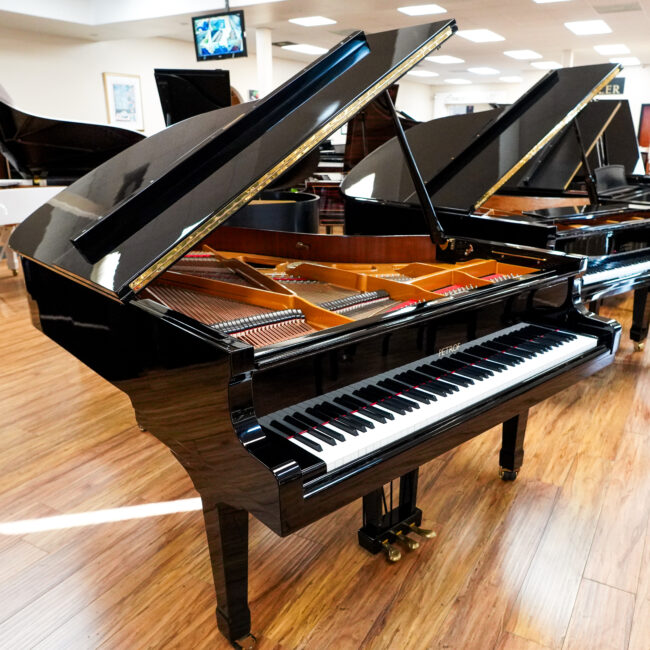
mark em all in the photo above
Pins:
pixel 558 559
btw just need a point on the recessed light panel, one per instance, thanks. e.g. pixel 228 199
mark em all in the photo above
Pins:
pixel 312 21
pixel 458 82
pixel 480 35
pixel 483 71
pixel 587 27
pixel 422 10
pixel 523 55
pixel 445 59
pixel 546 65
pixel 608 50
pixel 626 61
pixel 304 48
pixel 545 2
pixel 511 80
pixel 422 73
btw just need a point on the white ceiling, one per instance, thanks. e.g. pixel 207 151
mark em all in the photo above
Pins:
pixel 523 23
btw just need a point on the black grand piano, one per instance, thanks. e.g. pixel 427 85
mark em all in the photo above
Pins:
pixel 293 373
pixel 494 174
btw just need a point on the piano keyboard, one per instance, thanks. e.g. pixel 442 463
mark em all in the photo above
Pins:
pixel 617 272
pixel 346 424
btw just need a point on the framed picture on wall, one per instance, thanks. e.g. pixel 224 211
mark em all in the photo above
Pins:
pixel 124 100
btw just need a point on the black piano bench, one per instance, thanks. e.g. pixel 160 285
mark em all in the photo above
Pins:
pixel 385 525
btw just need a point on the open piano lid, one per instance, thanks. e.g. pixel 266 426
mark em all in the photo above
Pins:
pixel 464 159
pixel 43 147
pixel 123 224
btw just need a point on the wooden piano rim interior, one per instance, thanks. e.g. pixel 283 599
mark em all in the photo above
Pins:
pixel 504 206
pixel 265 292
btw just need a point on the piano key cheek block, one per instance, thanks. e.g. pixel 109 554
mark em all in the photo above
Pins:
pixel 289 380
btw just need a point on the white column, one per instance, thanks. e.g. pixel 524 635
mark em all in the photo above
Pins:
pixel 567 58
pixel 264 60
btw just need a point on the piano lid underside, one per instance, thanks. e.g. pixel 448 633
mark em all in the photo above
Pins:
pixel 267 301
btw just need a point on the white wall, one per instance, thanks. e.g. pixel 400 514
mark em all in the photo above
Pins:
pixel 62 77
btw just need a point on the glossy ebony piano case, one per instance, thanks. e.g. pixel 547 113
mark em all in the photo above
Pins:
pixel 133 267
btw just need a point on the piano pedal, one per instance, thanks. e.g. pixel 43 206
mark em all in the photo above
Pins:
pixel 392 554
pixel 407 542
pixel 423 532
pixel 507 474
pixel 247 642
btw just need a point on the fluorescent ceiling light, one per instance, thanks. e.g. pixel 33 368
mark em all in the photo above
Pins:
pixel 312 21
pixel 545 2
pixel 626 60
pixel 546 65
pixel 304 48
pixel 587 27
pixel 511 80
pixel 480 35
pixel 483 71
pixel 422 10
pixel 445 59
pixel 423 73
pixel 608 50
pixel 523 55
pixel 458 82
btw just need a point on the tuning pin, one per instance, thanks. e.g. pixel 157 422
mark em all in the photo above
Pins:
pixel 409 543
pixel 423 532
pixel 392 554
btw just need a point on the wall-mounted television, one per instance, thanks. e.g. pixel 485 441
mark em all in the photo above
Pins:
pixel 219 36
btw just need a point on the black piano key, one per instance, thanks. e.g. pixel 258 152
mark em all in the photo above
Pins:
pixel 385 404
pixel 299 429
pixel 423 381
pixel 541 345
pixel 344 416
pixel 441 373
pixel 352 417
pixel 493 355
pixel 473 372
pixel 280 429
pixel 481 362
pixel 325 417
pixel 509 349
pixel 368 410
pixel 403 401
pixel 407 389
pixel 310 424
pixel 436 375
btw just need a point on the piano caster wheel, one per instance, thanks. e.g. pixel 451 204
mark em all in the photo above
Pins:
pixel 507 474
pixel 639 346
pixel 14 272
pixel 392 554
pixel 407 542
pixel 247 642
pixel 422 532
pixel 141 427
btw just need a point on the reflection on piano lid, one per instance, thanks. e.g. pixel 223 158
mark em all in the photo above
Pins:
pixel 57 150
pixel 290 373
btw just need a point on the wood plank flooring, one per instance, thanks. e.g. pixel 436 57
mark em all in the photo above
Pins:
pixel 558 559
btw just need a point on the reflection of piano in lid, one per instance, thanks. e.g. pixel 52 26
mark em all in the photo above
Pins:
pixel 42 150
pixel 291 373
pixel 467 161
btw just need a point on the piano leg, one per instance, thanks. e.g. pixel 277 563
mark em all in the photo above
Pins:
pixel 640 318
pixel 512 446
pixel 227 532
